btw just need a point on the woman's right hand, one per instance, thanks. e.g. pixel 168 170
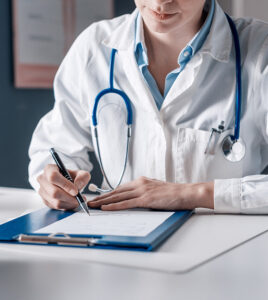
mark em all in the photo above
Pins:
pixel 58 192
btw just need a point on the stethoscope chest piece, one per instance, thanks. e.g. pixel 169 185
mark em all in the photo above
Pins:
pixel 233 150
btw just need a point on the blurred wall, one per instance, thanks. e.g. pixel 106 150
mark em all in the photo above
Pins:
pixel 246 8
pixel 257 9
pixel 226 5
pixel 20 109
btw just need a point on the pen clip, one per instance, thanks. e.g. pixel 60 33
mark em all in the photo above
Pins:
pixel 214 138
pixel 57 239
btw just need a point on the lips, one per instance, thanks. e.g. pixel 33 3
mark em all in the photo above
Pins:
pixel 161 16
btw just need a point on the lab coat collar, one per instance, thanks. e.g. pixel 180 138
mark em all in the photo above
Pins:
pixel 218 43
pixel 219 40
pixel 123 38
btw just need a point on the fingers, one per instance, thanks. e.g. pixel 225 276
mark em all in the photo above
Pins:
pixel 54 177
pixel 56 198
pixel 106 195
pixel 124 188
pixel 58 192
pixel 112 198
pixel 122 205
pixel 130 194
pixel 81 178
pixel 60 207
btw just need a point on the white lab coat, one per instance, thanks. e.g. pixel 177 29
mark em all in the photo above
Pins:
pixel 168 144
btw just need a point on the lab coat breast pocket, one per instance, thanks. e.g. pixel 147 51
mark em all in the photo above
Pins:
pixel 193 165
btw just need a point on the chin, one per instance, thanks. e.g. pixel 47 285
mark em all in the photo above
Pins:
pixel 159 27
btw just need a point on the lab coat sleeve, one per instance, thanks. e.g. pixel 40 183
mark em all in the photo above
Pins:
pixel 67 126
pixel 249 195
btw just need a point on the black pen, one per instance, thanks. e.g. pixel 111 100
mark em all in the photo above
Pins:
pixel 67 175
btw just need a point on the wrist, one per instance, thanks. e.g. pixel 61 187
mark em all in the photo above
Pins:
pixel 203 195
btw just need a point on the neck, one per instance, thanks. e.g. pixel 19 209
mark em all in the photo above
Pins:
pixel 173 42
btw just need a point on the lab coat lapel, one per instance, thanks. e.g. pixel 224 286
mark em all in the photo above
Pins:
pixel 183 82
pixel 122 39
pixel 218 45
pixel 144 98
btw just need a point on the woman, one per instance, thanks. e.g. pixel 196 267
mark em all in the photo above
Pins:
pixel 176 61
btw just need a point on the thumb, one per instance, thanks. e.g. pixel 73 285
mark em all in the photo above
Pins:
pixel 81 178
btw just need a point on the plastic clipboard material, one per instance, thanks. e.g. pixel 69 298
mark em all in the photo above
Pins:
pixel 34 221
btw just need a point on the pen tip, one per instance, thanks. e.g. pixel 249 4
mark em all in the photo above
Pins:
pixel 85 209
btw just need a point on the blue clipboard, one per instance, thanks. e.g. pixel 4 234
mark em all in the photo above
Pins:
pixel 21 230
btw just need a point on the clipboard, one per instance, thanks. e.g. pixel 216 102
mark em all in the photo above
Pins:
pixel 22 230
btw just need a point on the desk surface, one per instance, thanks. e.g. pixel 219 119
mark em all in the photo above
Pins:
pixel 238 274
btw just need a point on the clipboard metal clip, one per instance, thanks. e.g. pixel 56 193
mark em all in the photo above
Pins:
pixel 57 239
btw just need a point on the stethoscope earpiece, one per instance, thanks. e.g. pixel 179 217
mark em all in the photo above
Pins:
pixel 93 188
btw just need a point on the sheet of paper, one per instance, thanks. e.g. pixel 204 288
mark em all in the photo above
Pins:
pixel 123 223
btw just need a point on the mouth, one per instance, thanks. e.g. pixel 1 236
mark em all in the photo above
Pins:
pixel 161 16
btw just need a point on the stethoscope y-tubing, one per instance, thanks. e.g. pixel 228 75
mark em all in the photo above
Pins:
pixel 112 68
pixel 112 90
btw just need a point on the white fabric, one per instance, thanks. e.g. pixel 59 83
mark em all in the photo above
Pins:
pixel 168 144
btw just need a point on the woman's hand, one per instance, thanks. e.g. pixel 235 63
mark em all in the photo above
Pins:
pixel 59 193
pixel 155 194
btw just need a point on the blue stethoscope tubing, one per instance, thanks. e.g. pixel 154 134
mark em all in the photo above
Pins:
pixel 233 147
pixel 112 90
pixel 238 104
pixel 123 95
pixel 229 141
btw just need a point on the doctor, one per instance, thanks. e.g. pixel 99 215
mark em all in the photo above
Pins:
pixel 178 63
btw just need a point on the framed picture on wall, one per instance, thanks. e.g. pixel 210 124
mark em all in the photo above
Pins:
pixel 43 31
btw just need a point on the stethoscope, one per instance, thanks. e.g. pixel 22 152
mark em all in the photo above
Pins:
pixel 233 147
pixel 123 95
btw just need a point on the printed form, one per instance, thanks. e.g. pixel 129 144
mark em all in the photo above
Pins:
pixel 122 223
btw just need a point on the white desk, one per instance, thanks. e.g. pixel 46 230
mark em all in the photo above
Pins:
pixel 238 274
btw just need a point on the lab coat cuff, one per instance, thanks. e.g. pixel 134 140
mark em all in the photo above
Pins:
pixel 227 196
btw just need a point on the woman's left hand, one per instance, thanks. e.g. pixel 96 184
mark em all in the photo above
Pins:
pixel 155 194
